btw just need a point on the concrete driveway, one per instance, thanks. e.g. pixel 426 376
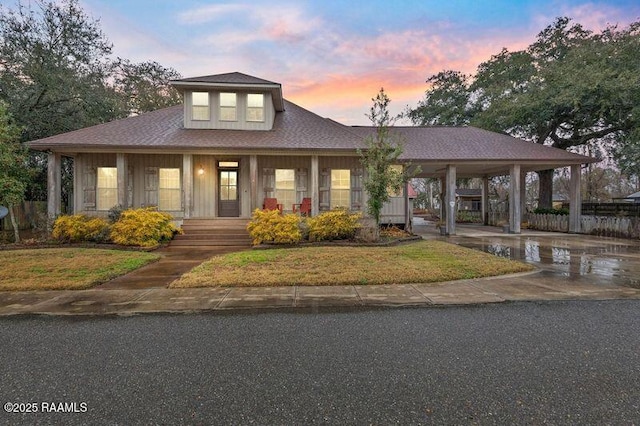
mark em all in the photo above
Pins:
pixel 562 258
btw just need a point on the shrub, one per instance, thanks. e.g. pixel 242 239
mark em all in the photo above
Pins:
pixel 114 213
pixel 144 227
pixel 561 212
pixel 336 224
pixel 269 226
pixel 78 227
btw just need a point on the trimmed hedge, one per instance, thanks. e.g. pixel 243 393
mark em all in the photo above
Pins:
pixel 144 227
pixel 78 227
pixel 269 226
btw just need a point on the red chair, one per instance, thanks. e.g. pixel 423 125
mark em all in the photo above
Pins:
pixel 271 204
pixel 304 207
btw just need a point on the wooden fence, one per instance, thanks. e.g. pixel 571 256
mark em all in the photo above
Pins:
pixel 609 209
pixel 608 226
pixel 549 222
pixel 498 218
pixel 28 215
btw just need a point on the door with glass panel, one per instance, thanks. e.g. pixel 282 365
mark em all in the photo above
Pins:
pixel 228 200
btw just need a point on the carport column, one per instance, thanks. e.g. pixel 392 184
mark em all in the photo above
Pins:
pixel 514 200
pixel 253 177
pixel 187 183
pixel 122 174
pixel 575 201
pixel 315 185
pixel 485 200
pixel 450 199
pixel 54 181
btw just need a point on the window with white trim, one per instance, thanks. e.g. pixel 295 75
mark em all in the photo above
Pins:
pixel 340 189
pixel 285 190
pixel 169 192
pixel 200 106
pixel 255 107
pixel 228 103
pixel 106 188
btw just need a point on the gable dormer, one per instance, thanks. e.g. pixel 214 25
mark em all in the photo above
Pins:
pixel 232 101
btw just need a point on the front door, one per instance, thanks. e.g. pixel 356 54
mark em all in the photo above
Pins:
pixel 228 203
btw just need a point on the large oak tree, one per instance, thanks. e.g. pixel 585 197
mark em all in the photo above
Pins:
pixel 57 75
pixel 569 88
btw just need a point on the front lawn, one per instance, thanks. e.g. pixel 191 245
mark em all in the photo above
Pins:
pixel 66 268
pixel 422 262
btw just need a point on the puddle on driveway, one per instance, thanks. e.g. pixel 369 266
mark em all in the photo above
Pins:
pixel 599 261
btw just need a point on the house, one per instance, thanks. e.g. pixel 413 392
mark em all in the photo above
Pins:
pixel 469 199
pixel 235 141
pixel 631 198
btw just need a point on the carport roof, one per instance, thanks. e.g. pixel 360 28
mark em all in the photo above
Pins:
pixel 475 152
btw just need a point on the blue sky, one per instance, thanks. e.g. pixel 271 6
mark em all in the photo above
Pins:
pixel 333 56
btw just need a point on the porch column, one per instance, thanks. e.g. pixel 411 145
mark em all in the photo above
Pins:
pixel 443 192
pixel 514 200
pixel 485 200
pixel 122 169
pixel 575 201
pixel 315 185
pixel 253 177
pixel 54 183
pixel 407 208
pixel 187 183
pixel 523 195
pixel 450 199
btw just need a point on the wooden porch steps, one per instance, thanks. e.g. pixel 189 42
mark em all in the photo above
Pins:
pixel 213 232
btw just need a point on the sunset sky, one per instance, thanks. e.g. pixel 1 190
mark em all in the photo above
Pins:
pixel 332 57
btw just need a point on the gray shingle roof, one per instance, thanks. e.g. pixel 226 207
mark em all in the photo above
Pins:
pixel 227 78
pixel 299 129
pixel 440 143
pixel 295 128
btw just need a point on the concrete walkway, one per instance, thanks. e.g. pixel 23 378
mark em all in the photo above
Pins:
pixel 570 267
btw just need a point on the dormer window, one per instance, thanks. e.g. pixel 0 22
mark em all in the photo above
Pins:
pixel 200 105
pixel 228 110
pixel 255 107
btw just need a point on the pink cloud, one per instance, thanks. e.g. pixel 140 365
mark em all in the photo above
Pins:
pixel 592 16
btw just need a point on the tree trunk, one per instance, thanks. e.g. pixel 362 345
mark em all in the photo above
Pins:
pixel 14 223
pixel 545 189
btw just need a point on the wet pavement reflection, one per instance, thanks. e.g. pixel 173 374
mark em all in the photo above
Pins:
pixel 584 258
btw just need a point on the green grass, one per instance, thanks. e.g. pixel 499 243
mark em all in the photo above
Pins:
pixel 421 262
pixel 66 268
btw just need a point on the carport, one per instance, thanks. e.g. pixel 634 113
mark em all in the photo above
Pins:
pixel 449 153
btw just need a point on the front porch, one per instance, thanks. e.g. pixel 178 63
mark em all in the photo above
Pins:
pixel 214 185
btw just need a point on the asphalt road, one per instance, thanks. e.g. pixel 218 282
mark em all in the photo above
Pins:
pixel 558 363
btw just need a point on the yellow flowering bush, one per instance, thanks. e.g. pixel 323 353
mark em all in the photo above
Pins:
pixel 78 227
pixel 144 227
pixel 269 226
pixel 338 224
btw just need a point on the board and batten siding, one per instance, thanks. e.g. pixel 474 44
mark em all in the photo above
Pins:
pixel 241 122
pixel 205 186
pixel 393 211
